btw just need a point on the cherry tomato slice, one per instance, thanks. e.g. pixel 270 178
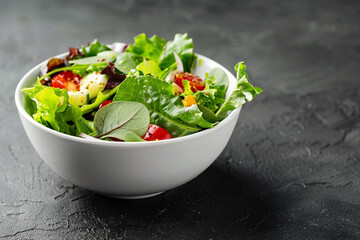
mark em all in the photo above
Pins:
pixel 105 103
pixel 68 80
pixel 155 133
pixel 195 81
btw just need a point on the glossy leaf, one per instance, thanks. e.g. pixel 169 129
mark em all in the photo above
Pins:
pixel 166 109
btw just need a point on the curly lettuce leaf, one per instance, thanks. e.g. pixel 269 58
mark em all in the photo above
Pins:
pixel 150 48
pixel 49 107
pixel 244 92
pixel 160 51
pixel 217 81
pixel 213 96
pixel 184 47
pixel 166 108
pixel 30 93
pixel 49 102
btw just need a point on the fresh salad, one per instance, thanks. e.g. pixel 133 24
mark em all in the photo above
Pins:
pixel 143 91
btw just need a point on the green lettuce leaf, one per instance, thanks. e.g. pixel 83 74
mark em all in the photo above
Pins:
pixel 150 48
pixel 94 48
pixel 49 102
pixel 218 81
pixel 244 92
pixel 30 93
pixel 166 108
pixel 184 47
pixel 49 107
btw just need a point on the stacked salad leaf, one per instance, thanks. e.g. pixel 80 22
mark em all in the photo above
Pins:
pixel 145 84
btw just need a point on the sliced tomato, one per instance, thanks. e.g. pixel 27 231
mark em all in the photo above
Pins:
pixel 195 81
pixel 68 80
pixel 155 133
pixel 105 103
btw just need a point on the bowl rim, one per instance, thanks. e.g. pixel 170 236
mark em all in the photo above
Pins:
pixel 24 114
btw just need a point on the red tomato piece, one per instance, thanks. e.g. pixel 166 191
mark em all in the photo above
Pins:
pixel 105 103
pixel 155 133
pixel 195 81
pixel 68 80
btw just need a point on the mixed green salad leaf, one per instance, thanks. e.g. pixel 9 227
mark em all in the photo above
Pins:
pixel 131 94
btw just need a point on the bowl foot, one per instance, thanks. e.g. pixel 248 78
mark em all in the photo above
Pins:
pixel 132 196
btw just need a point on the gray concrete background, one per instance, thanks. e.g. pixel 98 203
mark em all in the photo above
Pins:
pixel 291 168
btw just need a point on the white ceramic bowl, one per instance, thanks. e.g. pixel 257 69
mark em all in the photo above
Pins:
pixel 128 169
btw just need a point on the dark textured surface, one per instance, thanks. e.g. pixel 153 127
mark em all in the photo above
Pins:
pixel 292 167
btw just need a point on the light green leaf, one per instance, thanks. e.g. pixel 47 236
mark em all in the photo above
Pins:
pixel 132 137
pixel 244 92
pixel 149 67
pixel 150 48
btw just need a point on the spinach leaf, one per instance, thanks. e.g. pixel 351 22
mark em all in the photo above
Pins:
pixel 118 118
pixel 166 108
pixel 94 48
pixel 244 92
pixel 184 47
pixel 127 61
pixel 208 115
pixel 150 48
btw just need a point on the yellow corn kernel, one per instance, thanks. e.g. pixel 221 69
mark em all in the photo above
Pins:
pixel 188 101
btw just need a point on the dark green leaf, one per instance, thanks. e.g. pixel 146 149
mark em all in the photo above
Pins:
pixel 166 108
pixel 125 62
pixel 208 115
